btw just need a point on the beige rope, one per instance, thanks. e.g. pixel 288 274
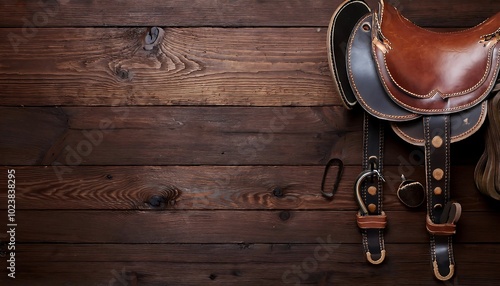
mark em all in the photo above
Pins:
pixel 487 172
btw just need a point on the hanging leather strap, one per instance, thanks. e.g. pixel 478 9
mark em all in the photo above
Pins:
pixel 368 189
pixel 442 214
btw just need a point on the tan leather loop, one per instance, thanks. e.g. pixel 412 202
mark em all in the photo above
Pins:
pixel 371 221
pixel 376 262
pixel 441 229
pixel 441 277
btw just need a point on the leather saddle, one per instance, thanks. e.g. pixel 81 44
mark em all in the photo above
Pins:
pixel 432 87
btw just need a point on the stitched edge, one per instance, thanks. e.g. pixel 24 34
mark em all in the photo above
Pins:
pixel 355 88
pixel 443 110
pixel 437 91
pixel 331 58
pixel 456 138
pixel 433 92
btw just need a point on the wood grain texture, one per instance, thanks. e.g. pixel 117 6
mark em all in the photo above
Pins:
pixel 235 13
pixel 215 188
pixel 198 66
pixel 192 66
pixel 245 264
pixel 160 167
pixel 232 227
pixel 74 136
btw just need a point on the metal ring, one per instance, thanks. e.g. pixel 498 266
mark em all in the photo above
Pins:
pixel 332 162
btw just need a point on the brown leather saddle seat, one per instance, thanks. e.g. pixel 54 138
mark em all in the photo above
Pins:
pixel 430 72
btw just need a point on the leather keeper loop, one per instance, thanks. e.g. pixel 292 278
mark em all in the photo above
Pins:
pixel 371 221
pixel 442 229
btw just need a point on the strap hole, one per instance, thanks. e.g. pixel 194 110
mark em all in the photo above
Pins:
pixel 366 27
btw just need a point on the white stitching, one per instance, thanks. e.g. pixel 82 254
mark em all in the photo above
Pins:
pixel 435 91
pixel 453 109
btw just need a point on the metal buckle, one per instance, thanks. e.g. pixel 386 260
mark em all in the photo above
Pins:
pixel 357 187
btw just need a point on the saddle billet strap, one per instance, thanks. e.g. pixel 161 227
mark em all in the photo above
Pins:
pixel 437 167
pixel 371 219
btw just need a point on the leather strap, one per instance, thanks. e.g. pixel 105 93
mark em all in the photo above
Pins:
pixel 372 221
pixel 437 166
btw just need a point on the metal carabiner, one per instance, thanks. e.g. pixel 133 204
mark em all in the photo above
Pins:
pixel 357 187
pixel 332 162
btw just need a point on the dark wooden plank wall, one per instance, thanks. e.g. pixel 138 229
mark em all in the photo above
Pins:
pixel 200 161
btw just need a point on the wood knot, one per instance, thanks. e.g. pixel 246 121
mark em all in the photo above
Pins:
pixel 278 192
pixel 157 201
pixel 236 273
pixel 122 73
pixel 167 198
pixel 153 37
pixel 212 276
pixel 284 215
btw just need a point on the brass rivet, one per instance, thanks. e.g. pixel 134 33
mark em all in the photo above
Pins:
pixel 372 208
pixel 372 190
pixel 438 174
pixel 437 141
pixel 438 191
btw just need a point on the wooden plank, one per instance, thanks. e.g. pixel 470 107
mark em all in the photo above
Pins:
pixel 231 227
pixel 237 252
pixel 278 264
pixel 33 132
pixel 73 136
pixel 215 187
pixel 159 136
pixel 199 66
pixel 63 13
